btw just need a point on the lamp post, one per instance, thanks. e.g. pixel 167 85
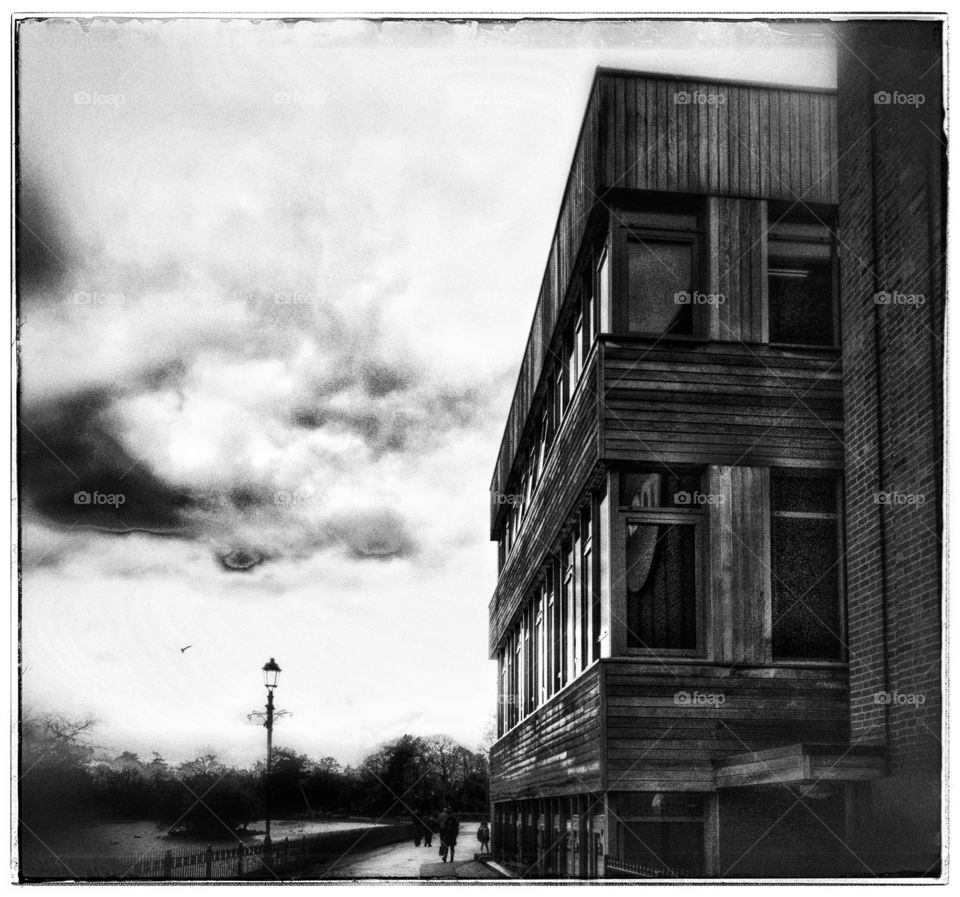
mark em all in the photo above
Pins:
pixel 271 673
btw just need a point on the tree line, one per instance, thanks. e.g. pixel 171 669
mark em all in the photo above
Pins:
pixel 65 778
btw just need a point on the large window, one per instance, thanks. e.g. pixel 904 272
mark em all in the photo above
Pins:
pixel 806 568
pixel 661 514
pixel 662 830
pixel 800 279
pixel 661 269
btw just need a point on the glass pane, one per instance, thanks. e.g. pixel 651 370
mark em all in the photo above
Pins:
pixel 811 494
pixel 674 845
pixel 658 271
pixel 806 589
pixel 801 293
pixel 658 490
pixel 661 586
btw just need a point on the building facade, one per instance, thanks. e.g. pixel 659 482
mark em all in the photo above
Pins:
pixel 716 623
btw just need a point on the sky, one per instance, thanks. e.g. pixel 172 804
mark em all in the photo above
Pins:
pixel 274 284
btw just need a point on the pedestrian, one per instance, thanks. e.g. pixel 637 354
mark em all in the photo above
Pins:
pixel 483 836
pixel 448 835
pixel 429 827
pixel 417 829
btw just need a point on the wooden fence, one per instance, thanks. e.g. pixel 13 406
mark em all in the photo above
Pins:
pixel 238 861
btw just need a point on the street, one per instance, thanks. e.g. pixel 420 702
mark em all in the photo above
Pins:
pixel 401 860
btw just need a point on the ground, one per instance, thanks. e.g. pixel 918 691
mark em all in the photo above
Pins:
pixel 405 860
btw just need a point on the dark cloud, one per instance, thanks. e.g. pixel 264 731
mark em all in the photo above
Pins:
pixel 43 259
pixel 382 380
pixel 74 471
pixel 374 535
pixel 241 560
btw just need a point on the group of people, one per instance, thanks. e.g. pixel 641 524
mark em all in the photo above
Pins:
pixel 447 827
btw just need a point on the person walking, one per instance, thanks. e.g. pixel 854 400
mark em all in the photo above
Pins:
pixel 429 827
pixel 417 828
pixel 448 835
pixel 483 836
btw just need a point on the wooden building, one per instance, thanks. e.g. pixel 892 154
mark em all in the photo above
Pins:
pixel 670 620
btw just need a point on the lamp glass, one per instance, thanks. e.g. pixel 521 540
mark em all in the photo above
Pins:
pixel 271 673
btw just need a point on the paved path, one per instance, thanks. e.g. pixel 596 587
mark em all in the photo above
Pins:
pixel 402 860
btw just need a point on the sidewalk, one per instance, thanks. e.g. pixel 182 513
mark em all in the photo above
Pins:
pixel 468 870
pixel 404 860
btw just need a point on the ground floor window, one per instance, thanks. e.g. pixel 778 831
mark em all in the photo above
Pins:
pixel 662 832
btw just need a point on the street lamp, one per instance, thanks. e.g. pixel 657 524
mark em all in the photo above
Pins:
pixel 271 673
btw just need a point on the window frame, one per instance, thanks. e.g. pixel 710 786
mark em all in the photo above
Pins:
pixel 651 227
pixel 671 517
pixel 770 239
pixel 693 515
pixel 838 516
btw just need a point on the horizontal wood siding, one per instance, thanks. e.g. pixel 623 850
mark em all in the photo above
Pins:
pixel 721 404
pixel 554 751
pixel 569 469
pixel 760 142
pixel 653 739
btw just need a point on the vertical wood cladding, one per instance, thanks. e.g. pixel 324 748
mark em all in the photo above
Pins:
pixel 738 268
pixel 643 132
pixel 554 751
pixel 740 578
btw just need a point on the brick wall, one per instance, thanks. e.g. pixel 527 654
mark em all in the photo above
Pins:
pixel 891 241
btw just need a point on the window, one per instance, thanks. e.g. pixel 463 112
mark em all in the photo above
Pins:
pixel 559 395
pixel 541 648
pixel 586 586
pixel 661 271
pixel 566 611
pixel 587 316
pixel 662 830
pixel 800 280
pixel 661 514
pixel 551 632
pixel 602 292
pixel 805 567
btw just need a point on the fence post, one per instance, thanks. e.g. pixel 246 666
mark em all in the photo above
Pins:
pixel 208 871
pixel 240 860
pixel 167 865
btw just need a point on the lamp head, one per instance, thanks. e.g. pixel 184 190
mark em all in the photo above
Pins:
pixel 271 673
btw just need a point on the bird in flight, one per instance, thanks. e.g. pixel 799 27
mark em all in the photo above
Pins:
pixel 184 649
